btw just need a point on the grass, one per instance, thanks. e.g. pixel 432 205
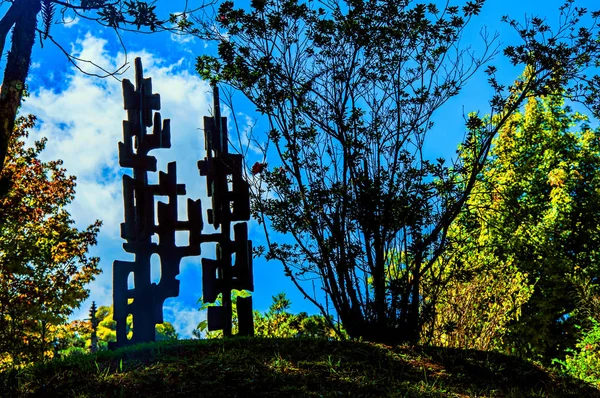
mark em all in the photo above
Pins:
pixel 244 367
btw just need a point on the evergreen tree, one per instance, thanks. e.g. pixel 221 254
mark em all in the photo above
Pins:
pixel 532 221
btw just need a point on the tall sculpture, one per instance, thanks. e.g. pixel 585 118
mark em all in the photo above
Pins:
pixel 229 204
pixel 144 300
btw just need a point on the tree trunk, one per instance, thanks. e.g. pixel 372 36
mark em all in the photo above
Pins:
pixel 6 23
pixel 414 320
pixel 15 73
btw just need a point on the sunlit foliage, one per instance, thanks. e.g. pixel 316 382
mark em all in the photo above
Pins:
pixel 44 266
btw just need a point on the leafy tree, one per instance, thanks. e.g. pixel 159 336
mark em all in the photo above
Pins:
pixel 71 338
pixel 107 327
pixel 166 331
pixel 534 210
pixel 44 266
pixel 27 19
pixel 76 336
pixel 276 322
pixel 349 89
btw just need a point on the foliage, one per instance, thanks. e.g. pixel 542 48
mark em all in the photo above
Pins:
pixel 71 337
pixel 44 266
pixel 475 307
pixel 77 335
pixel 290 367
pixel 584 363
pixel 349 90
pixel 277 322
pixel 477 297
pixel 166 331
pixel 531 225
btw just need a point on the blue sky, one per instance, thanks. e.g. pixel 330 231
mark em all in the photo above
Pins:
pixel 82 118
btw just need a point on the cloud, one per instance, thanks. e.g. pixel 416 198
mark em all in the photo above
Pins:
pixel 184 318
pixel 82 118
pixel 184 40
pixel 69 23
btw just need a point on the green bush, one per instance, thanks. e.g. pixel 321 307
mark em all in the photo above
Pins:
pixel 584 361
pixel 73 351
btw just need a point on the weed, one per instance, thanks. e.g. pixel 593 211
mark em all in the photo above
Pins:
pixel 332 364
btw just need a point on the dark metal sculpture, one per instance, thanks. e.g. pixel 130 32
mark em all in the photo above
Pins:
pixel 222 275
pixel 144 301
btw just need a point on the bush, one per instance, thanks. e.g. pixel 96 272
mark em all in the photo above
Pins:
pixel 476 305
pixel 584 362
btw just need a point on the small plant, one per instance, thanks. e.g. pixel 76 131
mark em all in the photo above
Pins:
pixel 584 361
pixel 281 364
pixel 332 364
pixel 102 373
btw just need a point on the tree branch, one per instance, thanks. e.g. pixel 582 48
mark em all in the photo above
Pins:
pixel 73 60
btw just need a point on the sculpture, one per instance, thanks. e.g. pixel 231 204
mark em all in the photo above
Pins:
pixel 220 275
pixel 144 302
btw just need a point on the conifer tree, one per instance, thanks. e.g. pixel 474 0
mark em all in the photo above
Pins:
pixel 531 225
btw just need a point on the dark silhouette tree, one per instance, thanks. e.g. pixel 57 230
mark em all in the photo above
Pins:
pixel 349 89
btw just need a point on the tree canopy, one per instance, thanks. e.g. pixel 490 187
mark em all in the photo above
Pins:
pixel 349 90
pixel 523 273
pixel 535 208
pixel 44 265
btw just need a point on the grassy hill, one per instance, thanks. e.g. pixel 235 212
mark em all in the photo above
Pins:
pixel 242 367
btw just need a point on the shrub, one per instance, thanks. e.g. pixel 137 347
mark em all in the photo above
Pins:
pixel 584 361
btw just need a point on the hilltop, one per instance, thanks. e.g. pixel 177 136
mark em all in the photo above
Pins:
pixel 243 367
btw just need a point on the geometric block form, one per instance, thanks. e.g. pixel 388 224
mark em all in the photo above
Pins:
pixel 145 301
pixel 210 282
pixel 214 317
pixel 244 314
pixel 219 276
pixel 230 201
pixel 242 269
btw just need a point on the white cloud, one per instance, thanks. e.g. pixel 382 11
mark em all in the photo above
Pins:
pixel 184 318
pixel 69 23
pixel 183 40
pixel 82 117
